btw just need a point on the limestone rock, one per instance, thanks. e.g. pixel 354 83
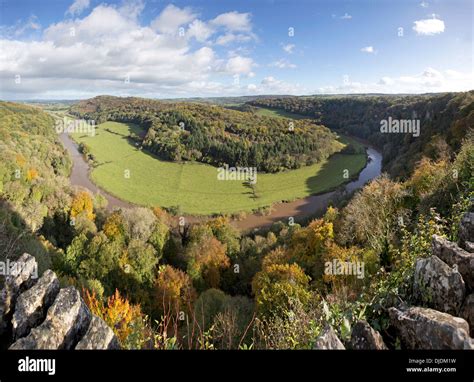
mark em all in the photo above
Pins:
pixel 467 312
pixel 453 255
pixel 364 337
pixel 424 328
pixel 466 229
pixel 66 322
pixel 25 272
pixel 32 305
pixel 469 246
pixel 98 336
pixel 328 340
pixel 438 286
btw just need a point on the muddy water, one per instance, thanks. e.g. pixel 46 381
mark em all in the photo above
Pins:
pixel 314 204
pixel 298 209
pixel 80 174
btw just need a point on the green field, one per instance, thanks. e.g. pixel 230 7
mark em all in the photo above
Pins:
pixel 194 187
pixel 278 113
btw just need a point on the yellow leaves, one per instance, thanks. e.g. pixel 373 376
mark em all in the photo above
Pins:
pixel 278 286
pixel 113 226
pixel 427 176
pixel 83 203
pixel 117 312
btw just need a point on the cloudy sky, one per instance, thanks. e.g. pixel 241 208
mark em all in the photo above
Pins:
pixel 70 49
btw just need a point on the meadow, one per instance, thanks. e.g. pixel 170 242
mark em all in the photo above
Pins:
pixel 134 175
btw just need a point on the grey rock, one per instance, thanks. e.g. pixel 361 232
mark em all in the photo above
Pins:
pixel 25 272
pixel 469 246
pixel 425 328
pixel 328 340
pixel 66 322
pixel 364 337
pixel 438 285
pixel 98 336
pixel 32 305
pixel 467 312
pixel 466 229
pixel 453 255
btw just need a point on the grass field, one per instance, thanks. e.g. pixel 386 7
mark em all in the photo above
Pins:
pixel 278 113
pixel 194 187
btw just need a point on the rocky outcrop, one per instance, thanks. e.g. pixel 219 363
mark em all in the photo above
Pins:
pixel 466 231
pixel 328 340
pixel 364 337
pixel 438 285
pixel 467 312
pixel 31 306
pixel 39 315
pixel 66 322
pixel 98 336
pixel 443 284
pixel 455 256
pixel 22 274
pixel 425 328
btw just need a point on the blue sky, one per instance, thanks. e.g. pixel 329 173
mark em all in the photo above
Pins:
pixel 153 48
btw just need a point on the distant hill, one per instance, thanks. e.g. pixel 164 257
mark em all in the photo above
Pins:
pixel 215 135
pixel 444 121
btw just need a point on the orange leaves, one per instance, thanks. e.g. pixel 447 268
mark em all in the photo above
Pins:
pixel 174 289
pixel 31 174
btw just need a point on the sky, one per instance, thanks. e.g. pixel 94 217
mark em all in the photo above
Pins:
pixel 75 49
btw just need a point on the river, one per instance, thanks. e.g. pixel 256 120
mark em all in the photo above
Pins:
pixel 298 209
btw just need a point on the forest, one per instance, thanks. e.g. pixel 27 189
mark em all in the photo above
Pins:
pixel 185 131
pixel 162 285
pixel 361 115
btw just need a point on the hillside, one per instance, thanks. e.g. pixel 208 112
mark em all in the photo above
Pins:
pixel 33 177
pixel 215 135
pixel 444 121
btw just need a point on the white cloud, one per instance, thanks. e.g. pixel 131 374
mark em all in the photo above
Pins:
pixel 429 81
pixel 78 7
pixel 424 4
pixel 21 27
pixel 171 18
pixel 233 21
pixel 429 27
pixel 229 38
pixel 368 49
pixel 271 85
pixel 288 48
pixel 239 65
pixel 283 64
pixel 94 54
pixel 346 16
pixel 199 30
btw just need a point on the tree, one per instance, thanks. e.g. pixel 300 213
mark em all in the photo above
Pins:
pixel 278 287
pixel 173 291
pixel 82 203
pixel 206 258
pixel 139 223
pixel 308 244
pixel 373 215
pixel 125 319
